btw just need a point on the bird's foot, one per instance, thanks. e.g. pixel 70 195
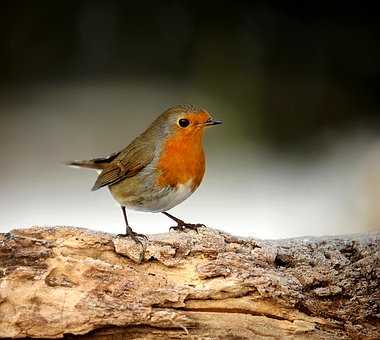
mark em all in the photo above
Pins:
pixel 182 226
pixel 135 236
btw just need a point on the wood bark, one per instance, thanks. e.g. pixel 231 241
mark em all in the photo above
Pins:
pixel 75 283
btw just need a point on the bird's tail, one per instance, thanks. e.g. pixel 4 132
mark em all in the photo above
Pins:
pixel 96 163
pixel 91 164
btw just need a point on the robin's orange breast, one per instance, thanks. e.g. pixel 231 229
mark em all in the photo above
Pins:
pixel 182 159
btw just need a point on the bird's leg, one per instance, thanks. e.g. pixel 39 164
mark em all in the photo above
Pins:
pixel 128 230
pixel 181 225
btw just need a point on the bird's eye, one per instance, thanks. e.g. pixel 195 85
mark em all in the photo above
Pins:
pixel 183 122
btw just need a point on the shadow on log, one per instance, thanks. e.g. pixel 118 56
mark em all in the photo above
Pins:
pixel 78 284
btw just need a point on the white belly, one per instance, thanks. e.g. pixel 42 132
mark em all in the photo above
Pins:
pixel 164 200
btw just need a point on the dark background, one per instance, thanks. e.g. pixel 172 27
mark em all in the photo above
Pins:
pixel 295 83
pixel 309 67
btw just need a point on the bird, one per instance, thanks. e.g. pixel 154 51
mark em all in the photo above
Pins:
pixel 159 169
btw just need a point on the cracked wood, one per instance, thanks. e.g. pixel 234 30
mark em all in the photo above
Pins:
pixel 62 281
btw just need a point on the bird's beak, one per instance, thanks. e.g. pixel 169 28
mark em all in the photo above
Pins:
pixel 211 122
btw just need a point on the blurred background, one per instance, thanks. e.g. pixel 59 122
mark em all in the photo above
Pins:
pixel 297 86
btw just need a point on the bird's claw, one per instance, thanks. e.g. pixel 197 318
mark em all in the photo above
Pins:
pixel 135 237
pixel 183 226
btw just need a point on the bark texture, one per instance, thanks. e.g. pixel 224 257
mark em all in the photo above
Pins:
pixel 64 282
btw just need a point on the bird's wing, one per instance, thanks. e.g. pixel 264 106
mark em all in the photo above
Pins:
pixel 128 163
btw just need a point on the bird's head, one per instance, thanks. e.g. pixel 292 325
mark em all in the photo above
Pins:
pixel 188 120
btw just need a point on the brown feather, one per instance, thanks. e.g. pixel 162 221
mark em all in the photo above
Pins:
pixel 128 163
pixel 96 163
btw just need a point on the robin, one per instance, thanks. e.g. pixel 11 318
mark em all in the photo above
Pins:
pixel 160 168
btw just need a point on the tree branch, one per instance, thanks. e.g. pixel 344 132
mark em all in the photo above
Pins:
pixel 208 285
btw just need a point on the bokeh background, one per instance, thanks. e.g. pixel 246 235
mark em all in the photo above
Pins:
pixel 297 86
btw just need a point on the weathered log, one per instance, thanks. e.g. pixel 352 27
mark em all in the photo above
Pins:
pixel 62 281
